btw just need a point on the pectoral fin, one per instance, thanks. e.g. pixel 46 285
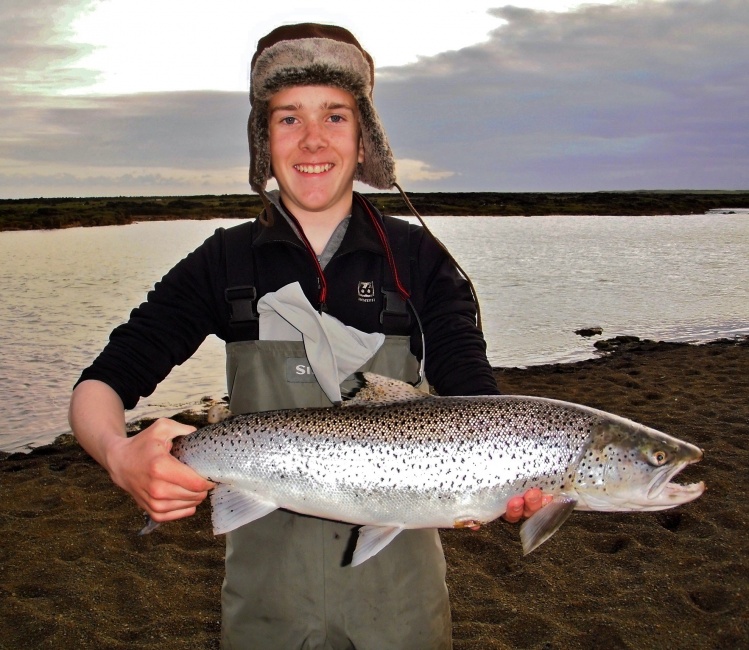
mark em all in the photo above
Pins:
pixel 372 539
pixel 545 522
pixel 233 508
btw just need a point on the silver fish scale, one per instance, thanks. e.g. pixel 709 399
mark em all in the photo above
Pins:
pixel 429 462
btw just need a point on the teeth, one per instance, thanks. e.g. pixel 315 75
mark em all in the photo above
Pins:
pixel 313 169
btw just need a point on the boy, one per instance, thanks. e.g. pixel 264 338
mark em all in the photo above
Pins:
pixel 314 128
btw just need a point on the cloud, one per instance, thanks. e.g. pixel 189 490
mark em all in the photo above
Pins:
pixel 36 54
pixel 417 170
pixel 631 96
pixel 648 94
pixel 190 142
pixel 181 129
pixel 145 181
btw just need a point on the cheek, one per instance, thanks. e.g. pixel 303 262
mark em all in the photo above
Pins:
pixel 279 141
pixel 279 151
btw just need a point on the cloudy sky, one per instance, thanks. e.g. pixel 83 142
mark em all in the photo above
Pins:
pixel 149 97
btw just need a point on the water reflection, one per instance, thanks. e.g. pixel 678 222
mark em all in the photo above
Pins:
pixel 539 279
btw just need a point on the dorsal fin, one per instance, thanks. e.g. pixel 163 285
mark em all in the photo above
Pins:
pixel 372 389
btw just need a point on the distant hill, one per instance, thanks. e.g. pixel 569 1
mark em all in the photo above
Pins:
pixel 31 214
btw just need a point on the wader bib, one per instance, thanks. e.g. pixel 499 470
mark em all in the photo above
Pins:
pixel 286 584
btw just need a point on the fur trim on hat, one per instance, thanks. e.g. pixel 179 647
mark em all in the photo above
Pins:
pixel 317 62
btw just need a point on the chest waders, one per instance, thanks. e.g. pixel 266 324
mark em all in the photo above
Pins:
pixel 288 584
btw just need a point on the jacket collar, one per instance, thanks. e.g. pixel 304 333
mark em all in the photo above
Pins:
pixel 360 234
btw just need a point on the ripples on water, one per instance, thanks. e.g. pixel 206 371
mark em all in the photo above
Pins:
pixel 539 279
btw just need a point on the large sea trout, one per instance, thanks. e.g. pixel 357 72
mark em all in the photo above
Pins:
pixel 393 458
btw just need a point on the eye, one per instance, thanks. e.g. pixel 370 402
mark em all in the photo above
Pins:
pixel 658 458
pixel 336 119
pixel 289 119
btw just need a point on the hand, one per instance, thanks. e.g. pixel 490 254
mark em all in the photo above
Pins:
pixel 526 505
pixel 160 484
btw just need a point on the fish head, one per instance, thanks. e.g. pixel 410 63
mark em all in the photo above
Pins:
pixel 628 467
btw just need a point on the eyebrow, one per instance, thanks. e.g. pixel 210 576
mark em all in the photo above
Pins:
pixel 334 106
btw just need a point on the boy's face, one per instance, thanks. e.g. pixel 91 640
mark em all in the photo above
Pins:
pixel 315 145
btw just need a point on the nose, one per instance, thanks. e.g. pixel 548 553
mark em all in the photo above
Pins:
pixel 313 137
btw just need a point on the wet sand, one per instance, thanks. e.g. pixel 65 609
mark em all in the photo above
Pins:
pixel 73 573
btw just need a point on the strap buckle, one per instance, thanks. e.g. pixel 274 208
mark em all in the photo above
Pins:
pixel 242 304
pixel 395 314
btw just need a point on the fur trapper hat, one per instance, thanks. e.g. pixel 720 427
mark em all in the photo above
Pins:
pixel 309 54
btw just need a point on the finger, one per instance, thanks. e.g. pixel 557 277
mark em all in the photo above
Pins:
pixel 171 515
pixel 185 477
pixel 177 482
pixel 164 506
pixel 164 498
pixel 514 511
pixel 533 500
pixel 167 469
pixel 166 430
pixel 161 491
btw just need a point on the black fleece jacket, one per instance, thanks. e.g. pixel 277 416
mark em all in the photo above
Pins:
pixel 189 303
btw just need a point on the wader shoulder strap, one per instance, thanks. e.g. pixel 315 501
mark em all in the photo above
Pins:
pixel 240 291
pixel 395 316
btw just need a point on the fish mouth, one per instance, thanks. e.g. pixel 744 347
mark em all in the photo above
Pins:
pixel 674 494
pixel 662 493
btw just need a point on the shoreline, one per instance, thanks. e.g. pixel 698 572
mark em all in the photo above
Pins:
pixel 57 213
pixel 75 574
pixel 601 348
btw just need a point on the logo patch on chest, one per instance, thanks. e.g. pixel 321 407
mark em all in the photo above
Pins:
pixel 366 291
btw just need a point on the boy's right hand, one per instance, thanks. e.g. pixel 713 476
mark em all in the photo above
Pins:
pixel 160 484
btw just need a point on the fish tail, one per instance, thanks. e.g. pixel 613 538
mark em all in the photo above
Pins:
pixel 150 526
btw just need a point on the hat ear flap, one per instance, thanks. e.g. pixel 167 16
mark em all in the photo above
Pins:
pixel 378 167
pixel 259 141
pixel 360 158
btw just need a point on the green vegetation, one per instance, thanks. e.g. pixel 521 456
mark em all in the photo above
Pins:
pixel 514 204
pixel 30 214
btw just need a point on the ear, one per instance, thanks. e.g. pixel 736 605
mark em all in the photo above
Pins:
pixel 360 157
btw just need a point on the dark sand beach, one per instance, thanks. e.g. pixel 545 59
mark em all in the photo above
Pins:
pixel 74 574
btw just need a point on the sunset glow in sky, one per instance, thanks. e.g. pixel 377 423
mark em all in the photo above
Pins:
pixel 149 97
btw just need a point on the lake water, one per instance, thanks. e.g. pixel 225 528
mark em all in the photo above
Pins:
pixel 538 279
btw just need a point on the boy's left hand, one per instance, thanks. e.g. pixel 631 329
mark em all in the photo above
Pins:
pixel 526 505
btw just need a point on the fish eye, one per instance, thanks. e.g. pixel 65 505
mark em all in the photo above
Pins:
pixel 658 458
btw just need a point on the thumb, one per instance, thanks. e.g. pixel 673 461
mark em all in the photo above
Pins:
pixel 166 430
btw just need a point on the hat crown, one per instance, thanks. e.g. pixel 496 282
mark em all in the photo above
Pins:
pixel 310 61
pixel 309 30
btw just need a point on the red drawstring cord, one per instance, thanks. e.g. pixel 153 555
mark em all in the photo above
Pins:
pixel 321 281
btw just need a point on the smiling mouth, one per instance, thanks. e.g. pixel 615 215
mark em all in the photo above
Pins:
pixel 314 169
